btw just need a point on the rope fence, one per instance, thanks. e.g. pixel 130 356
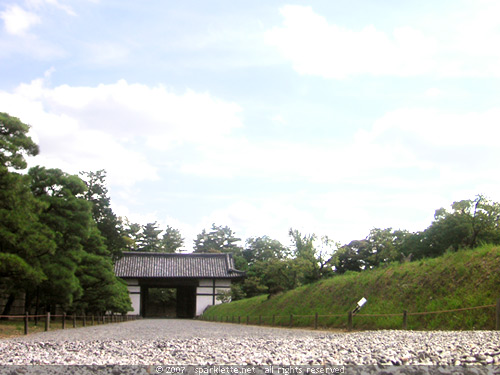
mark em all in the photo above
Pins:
pixel 283 320
pixel 73 318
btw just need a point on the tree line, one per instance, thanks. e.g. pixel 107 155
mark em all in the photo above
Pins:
pixel 58 234
pixel 273 268
pixel 59 239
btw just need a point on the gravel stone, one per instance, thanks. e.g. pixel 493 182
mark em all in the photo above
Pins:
pixel 184 342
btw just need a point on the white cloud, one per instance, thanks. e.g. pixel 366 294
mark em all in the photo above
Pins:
pixel 316 47
pixel 279 120
pixel 110 126
pixel 433 92
pixel 38 4
pixel 105 53
pixel 438 128
pixel 464 44
pixel 18 21
pixel 420 139
pixel 66 8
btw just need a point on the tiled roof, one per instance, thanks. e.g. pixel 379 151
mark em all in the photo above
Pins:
pixel 164 265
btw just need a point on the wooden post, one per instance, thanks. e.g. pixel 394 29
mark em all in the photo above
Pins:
pixel 349 321
pixel 405 319
pixel 26 323
pixel 498 315
pixel 64 321
pixel 316 321
pixel 47 321
pixel 291 320
pixel 248 320
pixel 92 319
pixel 239 319
pixel 74 320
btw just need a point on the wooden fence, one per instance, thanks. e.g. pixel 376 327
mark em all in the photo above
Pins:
pixel 288 320
pixel 83 319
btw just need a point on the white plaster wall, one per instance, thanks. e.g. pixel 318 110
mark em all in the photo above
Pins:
pixel 204 290
pixel 222 283
pixel 202 302
pixel 206 287
pixel 134 291
pixel 136 304
pixel 205 282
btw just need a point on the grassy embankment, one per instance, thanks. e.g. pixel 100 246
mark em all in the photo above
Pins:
pixel 456 280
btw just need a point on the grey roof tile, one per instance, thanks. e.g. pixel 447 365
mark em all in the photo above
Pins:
pixel 165 265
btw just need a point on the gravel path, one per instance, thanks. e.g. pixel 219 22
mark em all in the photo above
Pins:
pixel 152 342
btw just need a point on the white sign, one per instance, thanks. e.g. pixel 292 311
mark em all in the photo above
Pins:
pixel 362 301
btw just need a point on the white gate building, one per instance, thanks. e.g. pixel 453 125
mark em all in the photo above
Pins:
pixel 198 278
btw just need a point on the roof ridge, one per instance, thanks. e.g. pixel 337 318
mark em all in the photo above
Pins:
pixel 210 255
pixel 174 265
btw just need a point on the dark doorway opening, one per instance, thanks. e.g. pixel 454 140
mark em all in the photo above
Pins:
pixel 162 303
pixel 168 302
pixel 186 302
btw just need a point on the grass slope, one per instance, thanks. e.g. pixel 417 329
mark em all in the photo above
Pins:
pixel 456 280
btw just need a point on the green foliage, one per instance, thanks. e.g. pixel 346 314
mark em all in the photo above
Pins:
pixel 146 238
pixel 16 268
pixel 21 232
pixel 224 296
pixel 468 224
pixel 304 245
pixel 149 240
pixel 102 290
pixel 162 295
pixel 51 246
pixel 15 142
pixel 119 300
pixel 132 234
pixel 171 240
pixel 219 240
pixel 253 285
pixel 264 248
pixel 237 292
pixel 108 223
pixel 68 215
pixel 24 239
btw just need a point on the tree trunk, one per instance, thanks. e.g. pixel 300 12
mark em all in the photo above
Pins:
pixel 8 305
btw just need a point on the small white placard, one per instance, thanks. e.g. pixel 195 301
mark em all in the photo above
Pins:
pixel 362 301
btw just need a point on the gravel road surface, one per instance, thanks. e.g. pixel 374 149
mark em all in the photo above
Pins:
pixel 164 341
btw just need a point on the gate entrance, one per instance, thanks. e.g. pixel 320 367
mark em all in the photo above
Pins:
pixel 168 300
pixel 175 285
pixel 162 303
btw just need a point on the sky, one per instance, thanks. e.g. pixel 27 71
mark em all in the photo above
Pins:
pixel 331 117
